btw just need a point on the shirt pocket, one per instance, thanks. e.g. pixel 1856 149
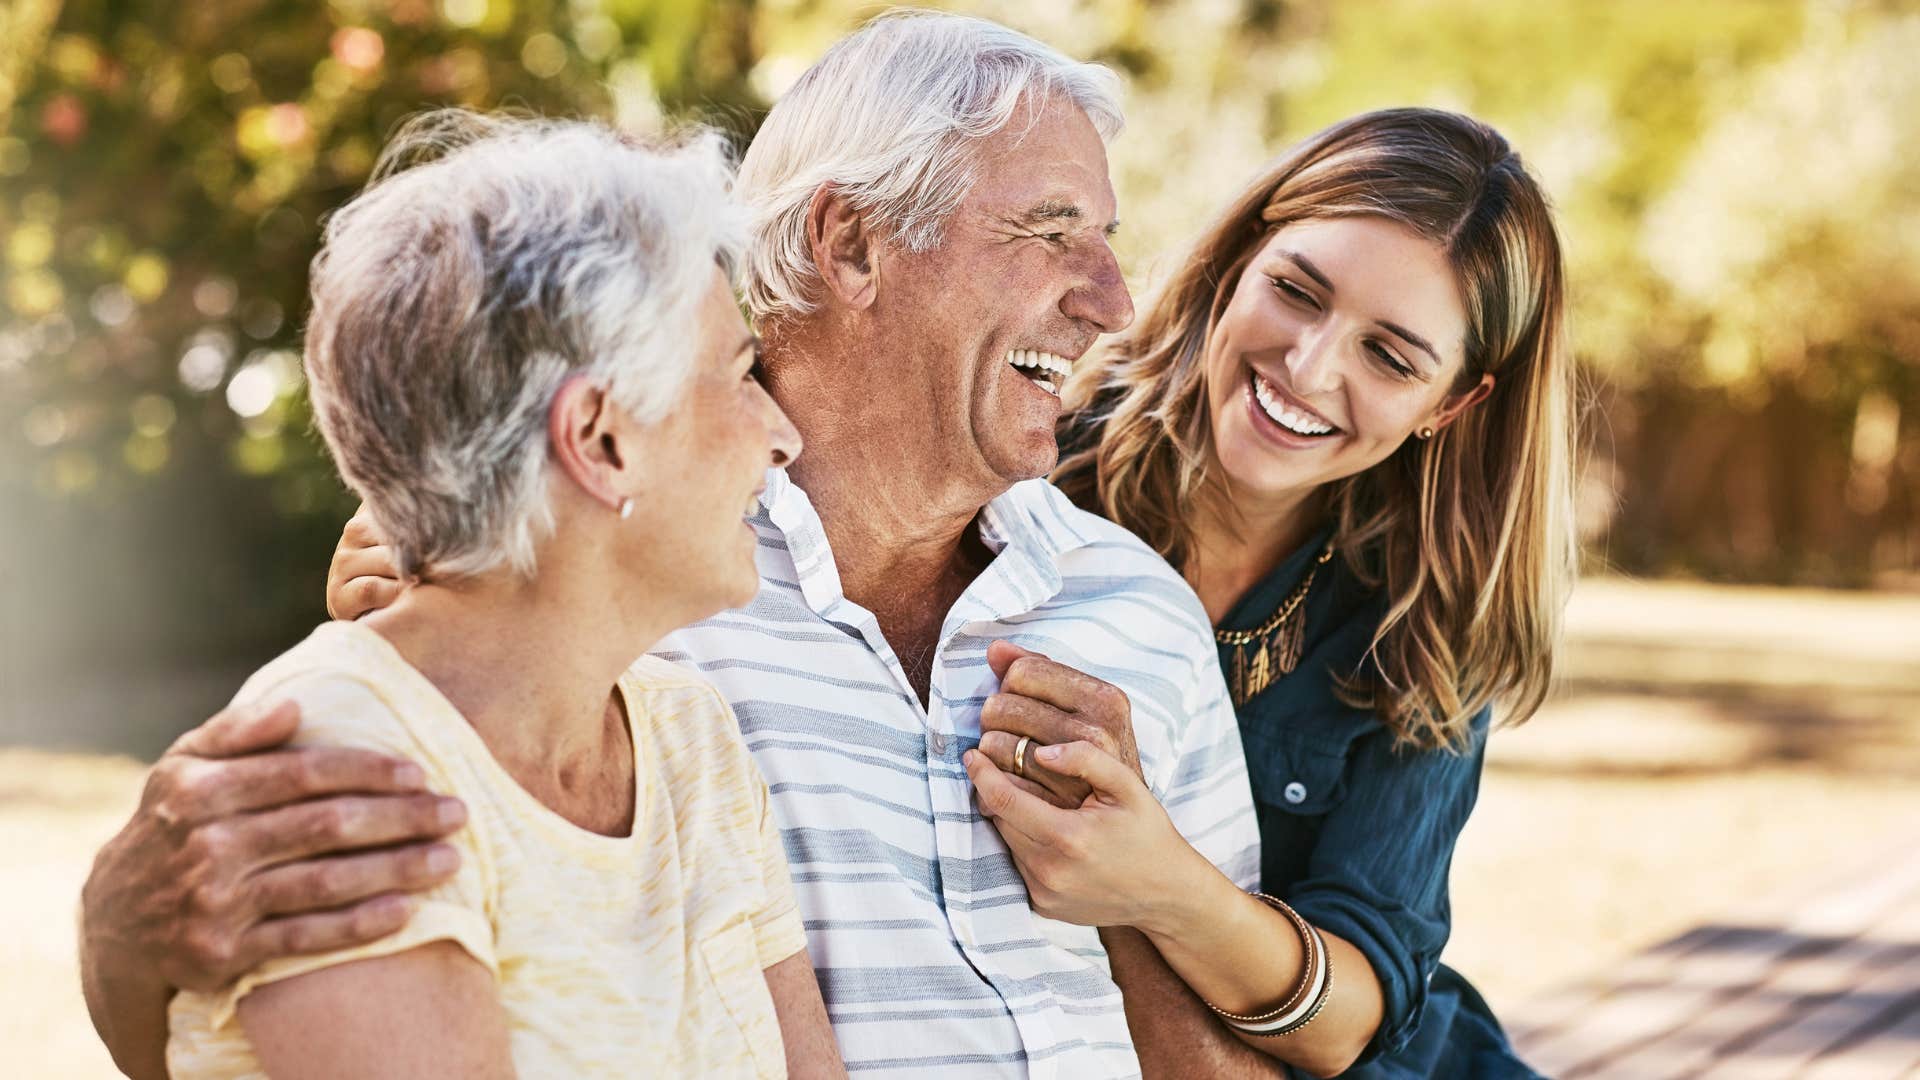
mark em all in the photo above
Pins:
pixel 1297 774
pixel 733 968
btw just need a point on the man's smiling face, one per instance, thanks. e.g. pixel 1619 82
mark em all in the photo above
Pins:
pixel 980 331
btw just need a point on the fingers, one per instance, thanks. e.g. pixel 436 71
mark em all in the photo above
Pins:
pixel 1061 790
pixel 362 595
pixel 1001 655
pixel 1089 764
pixel 1010 807
pixel 1017 714
pixel 1065 688
pixel 361 530
pixel 198 790
pixel 326 931
pixel 1101 711
pixel 241 729
pixel 363 576
pixel 376 561
pixel 341 824
pixel 326 884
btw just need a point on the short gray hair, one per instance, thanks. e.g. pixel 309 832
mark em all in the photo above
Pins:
pixel 887 118
pixel 489 260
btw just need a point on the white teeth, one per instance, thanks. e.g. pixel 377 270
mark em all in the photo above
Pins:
pixel 1281 413
pixel 1052 370
pixel 1045 361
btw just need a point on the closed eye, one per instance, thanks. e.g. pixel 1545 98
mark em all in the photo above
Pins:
pixel 1294 292
pixel 1399 367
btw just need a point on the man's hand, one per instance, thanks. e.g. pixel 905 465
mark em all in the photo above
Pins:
pixel 363 576
pixel 241 851
pixel 1052 704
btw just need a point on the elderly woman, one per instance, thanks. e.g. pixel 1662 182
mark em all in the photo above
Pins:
pixel 525 357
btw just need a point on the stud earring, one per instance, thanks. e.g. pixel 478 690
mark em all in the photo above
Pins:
pixel 626 508
pixel 1425 433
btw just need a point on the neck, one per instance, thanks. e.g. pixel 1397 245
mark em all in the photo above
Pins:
pixel 530 664
pixel 896 520
pixel 1238 539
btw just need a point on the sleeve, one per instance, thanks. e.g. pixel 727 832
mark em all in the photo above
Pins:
pixel 1207 794
pixel 339 710
pixel 777 930
pixel 1378 873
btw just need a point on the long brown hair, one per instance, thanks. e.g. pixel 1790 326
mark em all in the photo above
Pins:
pixel 1469 533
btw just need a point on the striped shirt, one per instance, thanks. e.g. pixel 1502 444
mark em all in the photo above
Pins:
pixel 929 957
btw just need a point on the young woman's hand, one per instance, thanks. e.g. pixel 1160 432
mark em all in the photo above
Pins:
pixel 362 577
pixel 1115 860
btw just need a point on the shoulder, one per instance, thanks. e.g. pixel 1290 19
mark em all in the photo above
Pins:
pixel 656 675
pixel 352 690
pixel 1049 508
pixel 1101 560
pixel 688 720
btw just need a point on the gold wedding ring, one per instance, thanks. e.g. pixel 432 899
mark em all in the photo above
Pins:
pixel 1020 755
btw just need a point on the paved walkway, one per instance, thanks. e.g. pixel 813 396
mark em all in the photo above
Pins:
pixel 1827 986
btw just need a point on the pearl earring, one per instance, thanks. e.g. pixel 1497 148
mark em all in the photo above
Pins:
pixel 1425 433
pixel 626 508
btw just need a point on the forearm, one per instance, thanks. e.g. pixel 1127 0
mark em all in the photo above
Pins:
pixel 812 1052
pixel 128 1007
pixel 1173 1031
pixel 1242 955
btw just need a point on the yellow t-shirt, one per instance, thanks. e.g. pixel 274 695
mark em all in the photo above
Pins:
pixel 614 956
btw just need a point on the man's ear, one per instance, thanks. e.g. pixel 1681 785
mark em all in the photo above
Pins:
pixel 842 248
pixel 1455 404
pixel 585 437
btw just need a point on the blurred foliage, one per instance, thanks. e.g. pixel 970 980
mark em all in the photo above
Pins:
pixel 1738 180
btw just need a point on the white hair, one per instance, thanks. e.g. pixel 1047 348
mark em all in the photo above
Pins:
pixel 489 260
pixel 887 118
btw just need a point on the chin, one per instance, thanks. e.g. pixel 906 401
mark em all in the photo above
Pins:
pixel 742 589
pixel 1035 458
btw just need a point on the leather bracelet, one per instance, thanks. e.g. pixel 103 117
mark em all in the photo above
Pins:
pixel 1319 1002
pixel 1312 946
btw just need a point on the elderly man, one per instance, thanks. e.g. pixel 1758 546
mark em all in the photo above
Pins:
pixel 931 255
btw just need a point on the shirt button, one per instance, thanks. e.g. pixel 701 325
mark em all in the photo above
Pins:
pixel 939 746
pixel 1296 792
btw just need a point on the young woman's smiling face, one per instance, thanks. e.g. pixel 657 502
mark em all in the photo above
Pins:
pixel 1344 337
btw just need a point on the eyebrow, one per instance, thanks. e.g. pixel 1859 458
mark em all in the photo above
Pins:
pixel 1306 267
pixel 1060 210
pixel 1414 339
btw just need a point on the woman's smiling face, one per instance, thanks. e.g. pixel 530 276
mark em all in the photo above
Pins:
pixel 1344 336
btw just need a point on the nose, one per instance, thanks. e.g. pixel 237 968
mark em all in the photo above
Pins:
pixel 1313 360
pixel 783 439
pixel 1101 297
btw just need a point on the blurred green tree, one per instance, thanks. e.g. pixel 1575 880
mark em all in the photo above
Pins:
pixel 165 170
pixel 1735 179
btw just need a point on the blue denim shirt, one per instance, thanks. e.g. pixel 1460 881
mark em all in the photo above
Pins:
pixel 1357 836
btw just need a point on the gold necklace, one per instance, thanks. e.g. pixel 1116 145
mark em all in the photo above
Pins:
pixel 1279 641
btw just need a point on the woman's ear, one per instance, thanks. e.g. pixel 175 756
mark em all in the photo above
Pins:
pixel 588 441
pixel 842 248
pixel 1454 404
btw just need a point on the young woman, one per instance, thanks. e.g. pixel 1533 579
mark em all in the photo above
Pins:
pixel 526 358
pixel 1346 420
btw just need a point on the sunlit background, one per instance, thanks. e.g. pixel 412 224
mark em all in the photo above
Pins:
pixel 1738 182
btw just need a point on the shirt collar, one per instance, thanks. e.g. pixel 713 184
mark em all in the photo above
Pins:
pixel 1030 527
